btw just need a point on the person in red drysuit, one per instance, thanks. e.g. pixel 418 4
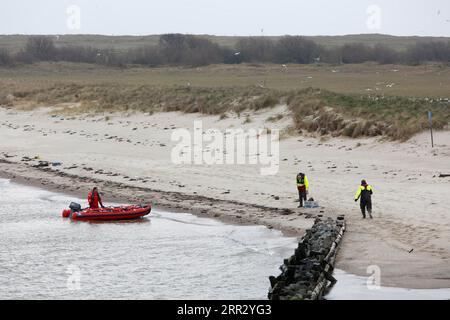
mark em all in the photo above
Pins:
pixel 94 199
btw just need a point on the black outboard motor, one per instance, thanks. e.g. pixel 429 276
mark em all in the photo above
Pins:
pixel 75 207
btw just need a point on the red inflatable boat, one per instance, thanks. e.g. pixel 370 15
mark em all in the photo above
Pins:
pixel 106 214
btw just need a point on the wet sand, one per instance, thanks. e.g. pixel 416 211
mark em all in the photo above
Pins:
pixel 128 157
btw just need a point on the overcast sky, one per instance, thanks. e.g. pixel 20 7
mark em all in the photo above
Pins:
pixel 226 17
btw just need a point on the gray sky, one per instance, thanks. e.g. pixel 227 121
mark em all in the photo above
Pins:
pixel 226 17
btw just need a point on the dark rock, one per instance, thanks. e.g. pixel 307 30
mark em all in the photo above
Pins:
pixel 42 164
pixel 301 273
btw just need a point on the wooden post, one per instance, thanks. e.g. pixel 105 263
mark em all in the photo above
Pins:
pixel 430 120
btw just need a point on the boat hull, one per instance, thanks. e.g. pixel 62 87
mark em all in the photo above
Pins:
pixel 111 214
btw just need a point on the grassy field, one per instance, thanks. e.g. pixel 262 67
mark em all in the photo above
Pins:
pixel 431 81
pixel 350 100
pixel 122 43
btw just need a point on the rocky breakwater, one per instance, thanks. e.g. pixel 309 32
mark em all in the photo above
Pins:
pixel 308 273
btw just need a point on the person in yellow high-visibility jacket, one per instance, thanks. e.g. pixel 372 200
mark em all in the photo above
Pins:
pixel 364 193
pixel 302 187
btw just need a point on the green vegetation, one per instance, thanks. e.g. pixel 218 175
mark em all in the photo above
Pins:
pixel 121 44
pixel 354 116
pixel 189 50
pixel 364 99
pixel 109 98
pixel 432 81
pixel 313 110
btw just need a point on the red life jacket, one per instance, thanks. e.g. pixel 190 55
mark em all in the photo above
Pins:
pixel 93 200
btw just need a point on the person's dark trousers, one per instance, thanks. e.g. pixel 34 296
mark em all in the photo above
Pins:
pixel 301 197
pixel 366 205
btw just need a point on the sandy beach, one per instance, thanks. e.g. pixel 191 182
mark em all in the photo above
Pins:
pixel 129 158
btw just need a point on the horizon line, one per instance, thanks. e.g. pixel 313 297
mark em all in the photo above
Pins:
pixel 219 35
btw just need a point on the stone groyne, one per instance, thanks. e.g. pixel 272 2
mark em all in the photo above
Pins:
pixel 307 274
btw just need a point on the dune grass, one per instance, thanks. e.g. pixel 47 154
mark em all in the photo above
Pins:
pixel 313 110
pixel 336 110
pixel 398 118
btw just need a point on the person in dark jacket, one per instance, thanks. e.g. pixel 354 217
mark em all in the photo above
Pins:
pixel 364 193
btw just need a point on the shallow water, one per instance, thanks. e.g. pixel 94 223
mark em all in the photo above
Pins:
pixel 165 256
pixel 351 287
